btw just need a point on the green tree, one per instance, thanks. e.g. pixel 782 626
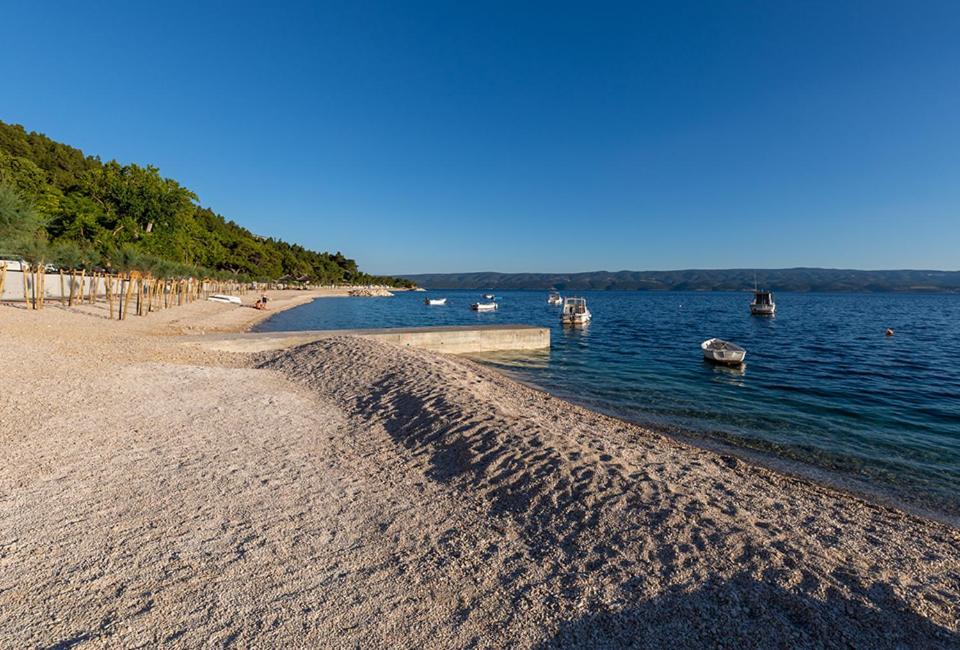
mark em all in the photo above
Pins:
pixel 107 208
pixel 67 255
pixel 18 219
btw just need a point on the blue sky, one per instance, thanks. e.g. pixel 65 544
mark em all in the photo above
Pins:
pixel 553 136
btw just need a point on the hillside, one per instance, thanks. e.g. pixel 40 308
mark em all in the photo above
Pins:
pixel 798 279
pixel 54 196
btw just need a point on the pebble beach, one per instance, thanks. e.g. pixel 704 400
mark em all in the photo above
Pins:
pixel 349 493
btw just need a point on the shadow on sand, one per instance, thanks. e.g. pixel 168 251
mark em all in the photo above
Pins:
pixel 572 528
pixel 746 613
pixel 558 500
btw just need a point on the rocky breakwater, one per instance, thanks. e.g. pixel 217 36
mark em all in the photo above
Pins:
pixel 370 292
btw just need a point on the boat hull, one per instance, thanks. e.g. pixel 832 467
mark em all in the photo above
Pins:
pixel 763 310
pixel 727 360
pixel 722 352
pixel 231 300
pixel 576 319
pixel 479 306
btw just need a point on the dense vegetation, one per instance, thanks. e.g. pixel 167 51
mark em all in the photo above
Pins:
pixel 799 279
pixel 59 205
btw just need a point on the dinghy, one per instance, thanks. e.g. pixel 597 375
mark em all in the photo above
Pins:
pixel 719 351
pixel 575 312
pixel 435 301
pixel 233 300
pixel 484 306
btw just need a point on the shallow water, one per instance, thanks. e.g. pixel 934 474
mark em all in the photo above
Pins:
pixel 821 384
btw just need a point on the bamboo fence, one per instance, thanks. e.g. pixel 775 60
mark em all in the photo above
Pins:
pixel 132 291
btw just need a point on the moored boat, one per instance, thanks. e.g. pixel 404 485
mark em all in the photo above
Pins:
pixel 484 306
pixel 435 301
pixel 763 304
pixel 554 298
pixel 489 296
pixel 575 312
pixel 720 351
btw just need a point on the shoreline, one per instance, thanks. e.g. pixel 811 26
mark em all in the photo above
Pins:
pixel 481 445
pixel 837 480
pixel 284 300
pixel 846 484
pixel 349 491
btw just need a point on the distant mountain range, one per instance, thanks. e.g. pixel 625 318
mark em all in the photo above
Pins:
pixel 798 279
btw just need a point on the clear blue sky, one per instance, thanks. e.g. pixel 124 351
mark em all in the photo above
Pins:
pixel 454 136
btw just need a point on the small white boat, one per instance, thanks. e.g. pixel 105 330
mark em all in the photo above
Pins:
pixel 484 306
pixel 763 304
pixel 554 298
pixel 719 351
pixel 435 301
pixel 575 312
pixel 217 297
pixel 489 296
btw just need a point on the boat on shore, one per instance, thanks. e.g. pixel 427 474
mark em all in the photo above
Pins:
pixel 435 301
pixel 230 300
pixel 575 312
pixel 484 306
pixel 554 298
pixel 723 352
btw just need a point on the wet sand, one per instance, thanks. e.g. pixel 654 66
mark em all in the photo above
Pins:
pixel 350 492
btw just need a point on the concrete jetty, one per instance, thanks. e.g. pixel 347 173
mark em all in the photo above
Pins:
pixel 462 339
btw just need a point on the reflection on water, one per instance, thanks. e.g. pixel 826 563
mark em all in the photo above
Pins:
pixel 528 359
pixel 823 384
pixel 575 331
pixel 730 375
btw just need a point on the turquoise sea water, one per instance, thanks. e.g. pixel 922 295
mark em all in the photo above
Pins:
pixel 822 384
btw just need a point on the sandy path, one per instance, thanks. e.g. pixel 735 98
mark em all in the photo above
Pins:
pixel 353 493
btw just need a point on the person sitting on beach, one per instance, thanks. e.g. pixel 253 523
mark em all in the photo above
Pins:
pixel 263 301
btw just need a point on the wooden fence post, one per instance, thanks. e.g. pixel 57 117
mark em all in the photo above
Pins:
pixel 26 290
pixel 126 298
pixel 108 283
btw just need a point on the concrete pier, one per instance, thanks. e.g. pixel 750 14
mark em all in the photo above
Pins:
pixel 451 340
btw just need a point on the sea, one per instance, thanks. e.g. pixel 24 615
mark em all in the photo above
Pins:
pixel 823 390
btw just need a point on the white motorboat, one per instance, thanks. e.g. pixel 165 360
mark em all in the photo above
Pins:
pixel 489 296
pixel 484 306
pixel 435 301
pixel 719 351
pixel 575 312
pixel 763 304
pixel 554 298
pixel 217 297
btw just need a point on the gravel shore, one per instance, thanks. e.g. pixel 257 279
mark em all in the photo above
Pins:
pixel 350 493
